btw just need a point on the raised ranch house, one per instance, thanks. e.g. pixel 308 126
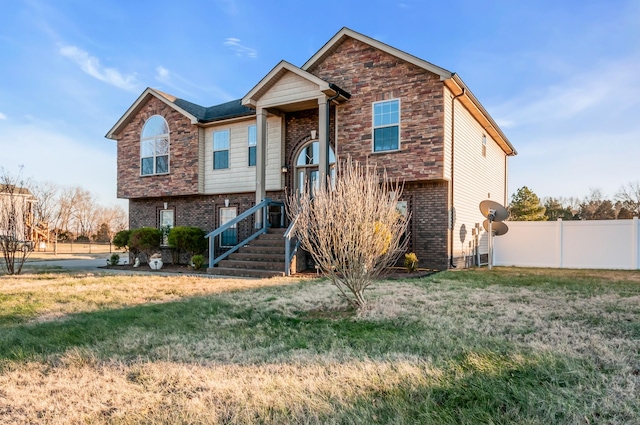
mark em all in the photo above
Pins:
pixel 181 164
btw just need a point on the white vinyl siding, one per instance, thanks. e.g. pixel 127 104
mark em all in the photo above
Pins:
pixel 240 177
pixel 476 178
pixel 290 88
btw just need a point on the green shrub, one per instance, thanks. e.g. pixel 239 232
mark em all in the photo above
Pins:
pixel 146 240
pixel 121 239
pixel 411 262
pixel 188 239
pixel 197 261
pixel 113 260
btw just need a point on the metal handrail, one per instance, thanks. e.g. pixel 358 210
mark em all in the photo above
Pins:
pixel 215 260
pixel 288 254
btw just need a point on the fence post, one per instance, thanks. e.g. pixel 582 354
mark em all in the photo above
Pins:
pixel 560 243
pixel 634 244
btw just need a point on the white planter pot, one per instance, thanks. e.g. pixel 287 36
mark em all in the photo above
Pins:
pixel 155 264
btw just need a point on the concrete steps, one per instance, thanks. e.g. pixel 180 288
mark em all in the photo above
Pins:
pixel 262 258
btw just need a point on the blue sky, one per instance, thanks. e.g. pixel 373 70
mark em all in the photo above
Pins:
pixel 562 78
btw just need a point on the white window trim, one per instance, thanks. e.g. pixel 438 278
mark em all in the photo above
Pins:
pixel 249 145
pixel 214 150
pixel 374 127
pixel 235 226
pixel 155 137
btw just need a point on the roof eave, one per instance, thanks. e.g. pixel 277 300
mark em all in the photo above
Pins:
pixel 251 98
pixel 346 32
pixel 455 84
pixel 137 106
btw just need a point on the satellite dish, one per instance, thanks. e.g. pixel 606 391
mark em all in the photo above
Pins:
pixel 498 228
pixel 493 211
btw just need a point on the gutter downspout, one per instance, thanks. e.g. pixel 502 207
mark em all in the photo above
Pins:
pixel 451 223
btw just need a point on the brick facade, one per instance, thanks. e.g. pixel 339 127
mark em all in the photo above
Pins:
pixel 428 203
pixel 183 156
pixel 371 75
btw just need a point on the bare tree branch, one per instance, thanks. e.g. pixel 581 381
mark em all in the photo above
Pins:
pixel 351 227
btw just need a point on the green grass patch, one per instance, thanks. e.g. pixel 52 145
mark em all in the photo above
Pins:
pixel 502 347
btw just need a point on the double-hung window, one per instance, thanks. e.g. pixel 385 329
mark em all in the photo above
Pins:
pixel 386 125
pixel 252 145
pixel 221 149
pixel 154 147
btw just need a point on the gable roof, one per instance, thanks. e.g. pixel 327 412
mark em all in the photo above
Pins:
pixel 278 71
pixel 196 113
pixel 450 79
pixel 331 45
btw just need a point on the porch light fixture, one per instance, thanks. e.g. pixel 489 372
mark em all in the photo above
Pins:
pixel 313 134
pixel 284 169
pixel 166 205
pixel 226 203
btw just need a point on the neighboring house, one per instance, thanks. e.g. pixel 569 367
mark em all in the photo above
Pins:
pixel 183 164
pixel 16 216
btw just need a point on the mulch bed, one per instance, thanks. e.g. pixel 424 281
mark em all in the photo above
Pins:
pixel 396 274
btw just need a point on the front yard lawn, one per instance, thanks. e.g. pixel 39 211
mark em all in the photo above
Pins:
pixel 506 346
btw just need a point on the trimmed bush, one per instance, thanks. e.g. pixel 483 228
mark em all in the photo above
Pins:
pixel 146 240
pixel 121 240
pixel 197 261
pixel 188 239
pixel 113 260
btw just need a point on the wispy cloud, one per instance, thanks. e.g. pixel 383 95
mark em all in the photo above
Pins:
pixel 580 95
pixel 2 116
pixel 40 147
pixel 91 65
pixel 185 86
pixel 240 49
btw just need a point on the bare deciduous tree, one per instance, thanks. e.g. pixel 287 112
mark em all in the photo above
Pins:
pixel 16 215
pixel 629 195
pixel 352 228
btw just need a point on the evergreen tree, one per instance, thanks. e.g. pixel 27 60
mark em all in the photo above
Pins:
pixel 555 210
pixel 525 206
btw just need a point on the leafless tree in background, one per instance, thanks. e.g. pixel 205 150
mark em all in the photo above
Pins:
pixel 352 227
pixel 629 195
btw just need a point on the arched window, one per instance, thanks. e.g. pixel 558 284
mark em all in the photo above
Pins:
pixel 307 166
pixel 154 147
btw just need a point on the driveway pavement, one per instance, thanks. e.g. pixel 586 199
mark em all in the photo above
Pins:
pixel 83 264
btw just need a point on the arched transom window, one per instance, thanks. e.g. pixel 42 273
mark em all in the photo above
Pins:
pixel 154 147
pixel 307 166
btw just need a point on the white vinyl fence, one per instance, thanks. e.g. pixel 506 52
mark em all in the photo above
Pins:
pixel 593 244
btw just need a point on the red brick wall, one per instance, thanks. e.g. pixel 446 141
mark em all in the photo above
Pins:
pixel 371 75
pixel 183 156
pixel 429 224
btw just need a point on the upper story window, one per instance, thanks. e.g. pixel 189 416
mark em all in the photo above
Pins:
pixel 252 145
pixel 386 125
pixel 154 147
pixel 221 149
pixel 484 145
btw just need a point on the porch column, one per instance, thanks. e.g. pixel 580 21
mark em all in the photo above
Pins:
pixel 261 161
pixel 323 139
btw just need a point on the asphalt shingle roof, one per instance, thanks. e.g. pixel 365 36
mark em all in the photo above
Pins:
pixel 226 110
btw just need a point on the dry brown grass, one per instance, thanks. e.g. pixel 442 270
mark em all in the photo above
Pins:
pixel 225 380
